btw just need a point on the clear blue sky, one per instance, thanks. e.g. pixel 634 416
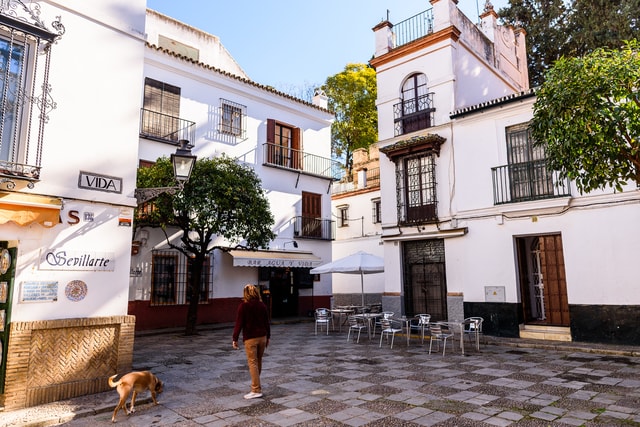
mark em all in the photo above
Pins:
pixel 298 43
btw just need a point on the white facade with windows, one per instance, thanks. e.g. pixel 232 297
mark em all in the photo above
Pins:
pixel 67 171
pixel 212 104
pixel 473 221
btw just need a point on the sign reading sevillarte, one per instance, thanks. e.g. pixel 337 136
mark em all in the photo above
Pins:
pixel 58 259
pixel 94 181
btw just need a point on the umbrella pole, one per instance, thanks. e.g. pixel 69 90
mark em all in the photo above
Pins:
pixel 362 286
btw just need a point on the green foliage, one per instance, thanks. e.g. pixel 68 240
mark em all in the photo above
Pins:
pixel 352 97
pixel 222 198
pixel 587 116
pixel 557 28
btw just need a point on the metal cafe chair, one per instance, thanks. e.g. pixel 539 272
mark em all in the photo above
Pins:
pixel 421 324
pixel 355 325
pixel 472 328
pixel 388 329
pixel 440 333
pixel 323 317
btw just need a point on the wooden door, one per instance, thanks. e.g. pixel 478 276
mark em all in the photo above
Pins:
pixel 555 282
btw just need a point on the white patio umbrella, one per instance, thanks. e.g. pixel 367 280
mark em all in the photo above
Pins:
pixel 359 263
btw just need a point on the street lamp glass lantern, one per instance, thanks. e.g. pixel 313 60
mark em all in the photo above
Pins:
pixel 183 162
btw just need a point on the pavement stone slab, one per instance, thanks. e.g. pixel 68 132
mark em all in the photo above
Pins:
pixel 325 380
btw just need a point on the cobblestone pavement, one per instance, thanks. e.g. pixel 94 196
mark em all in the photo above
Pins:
pixel 325 380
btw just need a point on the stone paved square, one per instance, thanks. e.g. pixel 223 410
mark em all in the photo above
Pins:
pixel 325 380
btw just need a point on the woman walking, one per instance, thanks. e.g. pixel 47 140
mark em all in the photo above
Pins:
pixel 253 320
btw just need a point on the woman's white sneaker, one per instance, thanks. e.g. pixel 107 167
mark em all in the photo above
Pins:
pixel 252 395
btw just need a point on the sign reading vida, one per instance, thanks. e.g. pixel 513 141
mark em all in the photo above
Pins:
pixel 59 259
pixel 93 181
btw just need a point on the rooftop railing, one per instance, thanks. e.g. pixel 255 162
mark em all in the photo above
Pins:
pixel 413 28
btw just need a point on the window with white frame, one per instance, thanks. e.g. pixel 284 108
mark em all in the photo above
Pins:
pixel 376 211
pixel 25 56
pixel 343 215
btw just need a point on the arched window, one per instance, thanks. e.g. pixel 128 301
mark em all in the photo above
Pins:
pixel 416 110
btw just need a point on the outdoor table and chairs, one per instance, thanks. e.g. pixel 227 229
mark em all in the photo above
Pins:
pixel 341 312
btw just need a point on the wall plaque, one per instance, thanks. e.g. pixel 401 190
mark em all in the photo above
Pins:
pixel 39 291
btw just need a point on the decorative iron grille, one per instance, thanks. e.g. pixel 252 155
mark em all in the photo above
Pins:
pixel 25 57
pixel 416 189
pixel 170 275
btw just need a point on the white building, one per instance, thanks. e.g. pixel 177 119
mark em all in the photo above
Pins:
pixel 473 222
pixel 193 90
pixel 68 159
pixel 357 210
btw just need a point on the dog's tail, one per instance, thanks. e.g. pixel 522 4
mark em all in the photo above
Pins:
pixel 113 383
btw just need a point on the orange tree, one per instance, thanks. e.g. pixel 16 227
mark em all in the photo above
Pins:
pixel 222 202
pixel 587 117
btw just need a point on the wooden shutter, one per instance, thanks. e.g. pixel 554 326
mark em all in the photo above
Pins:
pixel 555 283
pixel 271 137
pixel 296 149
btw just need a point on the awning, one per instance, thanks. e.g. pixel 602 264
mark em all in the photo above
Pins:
pixel 244 258
pixel 24 209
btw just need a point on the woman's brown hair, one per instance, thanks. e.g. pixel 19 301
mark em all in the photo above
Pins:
pixel 251 292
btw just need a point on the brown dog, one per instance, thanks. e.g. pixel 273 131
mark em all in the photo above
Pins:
pixel 138 382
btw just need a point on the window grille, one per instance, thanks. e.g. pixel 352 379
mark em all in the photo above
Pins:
pixel 416 189
pixel 170 277
pixel 25 56
pixel 528 173
pixel 233 119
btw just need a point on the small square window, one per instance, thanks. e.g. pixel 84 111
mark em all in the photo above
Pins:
pixel 232 118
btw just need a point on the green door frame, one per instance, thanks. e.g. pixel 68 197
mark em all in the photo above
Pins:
pixel 6 287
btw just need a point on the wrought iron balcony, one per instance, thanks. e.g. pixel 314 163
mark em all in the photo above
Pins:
pixel 413 28
pixel 522 182
pixel 288 158
pixel 349 184
pixel 165 128
pixel 413 114
pixel 314 228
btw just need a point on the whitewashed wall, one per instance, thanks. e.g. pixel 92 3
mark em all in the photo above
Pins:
pixel 95 68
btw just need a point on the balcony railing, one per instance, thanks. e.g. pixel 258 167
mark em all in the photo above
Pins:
pixel 288 158
pixel 413 114
pixel 349 184
pixel 522 182
pixel 314 228
pixel 413 28
pixel 165 128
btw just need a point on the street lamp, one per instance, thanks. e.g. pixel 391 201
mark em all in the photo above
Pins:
pixel 183 162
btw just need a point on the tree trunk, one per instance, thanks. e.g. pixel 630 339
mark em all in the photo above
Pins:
pixel 193 293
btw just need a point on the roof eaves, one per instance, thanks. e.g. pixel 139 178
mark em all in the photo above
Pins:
pixel 238 78
pixel 493 103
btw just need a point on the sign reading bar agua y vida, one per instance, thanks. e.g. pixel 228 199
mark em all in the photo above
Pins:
pixel 61 259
